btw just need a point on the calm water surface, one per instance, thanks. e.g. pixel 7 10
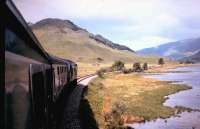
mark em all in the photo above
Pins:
pixel 189 98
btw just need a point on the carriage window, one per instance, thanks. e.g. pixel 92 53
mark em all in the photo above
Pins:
pixel 58 70
pixel 16 44
pixel 13 43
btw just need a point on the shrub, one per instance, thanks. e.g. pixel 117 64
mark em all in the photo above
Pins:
pixel 137 67
pixel 118 65
pixel 99 59
pixel 161 61
pixel 186 62
pixel 145 66
pixel 126 71
pixel 181 62
pixel 114 118
pixel 189 62
pixel 101 72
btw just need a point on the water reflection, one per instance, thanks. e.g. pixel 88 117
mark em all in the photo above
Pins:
pixel 184 121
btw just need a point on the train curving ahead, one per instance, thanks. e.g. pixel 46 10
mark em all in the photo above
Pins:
pixel 36 83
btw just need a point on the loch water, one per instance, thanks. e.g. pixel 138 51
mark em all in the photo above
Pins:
pixel 189 98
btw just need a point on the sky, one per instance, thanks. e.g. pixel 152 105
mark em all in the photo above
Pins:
pixel 137 24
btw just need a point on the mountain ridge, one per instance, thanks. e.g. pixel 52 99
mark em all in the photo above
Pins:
pixel 175 50
pixel 193 58
pixel 64 39
pixel 57 23
pixel 69 24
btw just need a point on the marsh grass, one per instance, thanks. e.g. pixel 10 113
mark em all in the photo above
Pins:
pixel 150 106
pixel 142 97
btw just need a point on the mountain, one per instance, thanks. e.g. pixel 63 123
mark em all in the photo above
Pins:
pixel 101 39
pixel 68 24
pixel 193 58
pixel 65 39
pixel 58 23
pixel 174 50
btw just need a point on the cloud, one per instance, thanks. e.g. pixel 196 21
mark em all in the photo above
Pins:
pixel 117 9
pixel 135 23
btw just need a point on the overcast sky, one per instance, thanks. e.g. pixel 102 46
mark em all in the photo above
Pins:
pixel 134 23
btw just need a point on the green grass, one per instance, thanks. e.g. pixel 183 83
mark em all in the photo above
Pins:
pixel 151 105
pixel 95 96
pixel 147 104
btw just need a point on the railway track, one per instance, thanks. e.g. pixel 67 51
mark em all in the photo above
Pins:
pixel 71 118
pixel 79 79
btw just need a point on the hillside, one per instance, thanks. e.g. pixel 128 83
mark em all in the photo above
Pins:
pixel 193 58
pixel 65 39
pixel 175 50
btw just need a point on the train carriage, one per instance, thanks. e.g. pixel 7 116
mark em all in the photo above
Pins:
pixel 34 80
pixel 63 74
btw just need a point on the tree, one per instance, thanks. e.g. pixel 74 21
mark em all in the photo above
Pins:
pixel 137 67
pixel 161 61
pixel 126 71
pixel 145 66
pixel 118 65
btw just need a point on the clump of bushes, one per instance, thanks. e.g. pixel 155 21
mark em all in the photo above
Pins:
pixel 145 66
pixel 113 119
pixel 118 65
pixel 101 72
pixel 161 61
pixel 187 62
pixel 137 67
pixel 126 71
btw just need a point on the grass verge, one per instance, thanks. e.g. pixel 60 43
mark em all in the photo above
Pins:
pixel 138 99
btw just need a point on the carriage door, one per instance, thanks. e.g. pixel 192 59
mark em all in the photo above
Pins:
pixel 38 95
pixel 49 96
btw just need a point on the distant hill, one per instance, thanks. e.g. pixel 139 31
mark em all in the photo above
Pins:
pixel 193 58
pixel 175 50
pixel 65 39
